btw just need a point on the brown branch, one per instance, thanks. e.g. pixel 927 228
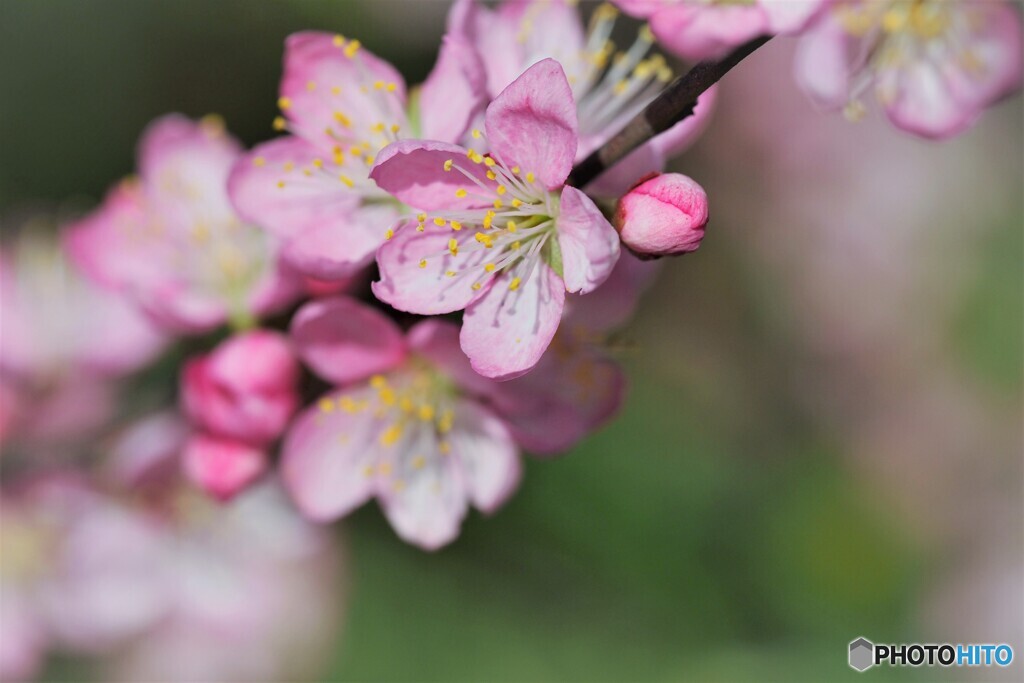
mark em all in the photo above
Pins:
pixel 674 104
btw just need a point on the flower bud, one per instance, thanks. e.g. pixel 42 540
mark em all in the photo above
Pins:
pixel 663 215
pixel 244 390
pixel 222 467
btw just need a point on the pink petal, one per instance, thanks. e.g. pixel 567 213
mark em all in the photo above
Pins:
pixel 590 245
pixel 454 93
pixel 698 31
pixel 641 9
pixel 823 63
pixel 415 266
pixel 425 506
pixel 222 467
pixel 487 456
pixel 574 390
pixel 506 332
pixel 532 124
pixel 790 16
pixel 328 458
pixel 923 103
pixel 184 165
pixel 302 203
pixel 612 304
pixel 663 216
pixel 351 86
pixel 341 247
pixel 326 455
pixel 343 340
pixel 413 171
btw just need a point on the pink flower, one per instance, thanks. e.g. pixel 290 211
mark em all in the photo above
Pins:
pixel 697 29
pixel 414 426
pixel 662 216
pixel 501 235
pixel 244 390
pixel 934 66
pixel 341 106
pixel 64 342
pixel 608 89
pixel 171 240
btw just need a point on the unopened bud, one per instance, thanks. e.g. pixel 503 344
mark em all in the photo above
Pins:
pixel 663 215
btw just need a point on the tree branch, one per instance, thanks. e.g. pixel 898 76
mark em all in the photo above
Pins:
pixel 674 104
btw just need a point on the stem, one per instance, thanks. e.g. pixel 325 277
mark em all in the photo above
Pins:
pixel 674 104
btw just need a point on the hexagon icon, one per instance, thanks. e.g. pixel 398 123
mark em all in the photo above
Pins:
pixel 862 654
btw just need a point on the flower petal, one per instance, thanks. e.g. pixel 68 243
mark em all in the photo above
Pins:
pixel 340 248
pixel 506 332
pixel 532 124
pixel 612 304
pixel 418 273
pixel 328 456
pixel 574 390
pixel 454 93
pixel 590 245
pixel 269 188
pixel 823 63
pixel 343 340
pixel 414 172
pixel 222 467
pixel 333 91
pixel 486 454
pixel 700 31
pixel 425 500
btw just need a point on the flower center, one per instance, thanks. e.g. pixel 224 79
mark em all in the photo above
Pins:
pixel 512 232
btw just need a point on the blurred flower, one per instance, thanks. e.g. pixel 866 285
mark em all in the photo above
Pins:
pixel 245 389
pixel 414 426
pixel 528 237
pixel 64 341
pixel 65 577
pixel 609 88
pixel 935 66
pixel 342 105
pixel 697 29
pixel 171 240
pixel 663 215
pixel 222 467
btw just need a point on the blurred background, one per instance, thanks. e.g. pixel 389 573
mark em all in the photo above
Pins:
pixel 823 438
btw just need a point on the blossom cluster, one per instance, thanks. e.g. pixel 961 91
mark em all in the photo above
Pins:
pixel 395 298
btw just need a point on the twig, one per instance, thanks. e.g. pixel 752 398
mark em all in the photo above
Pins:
pixel 673 105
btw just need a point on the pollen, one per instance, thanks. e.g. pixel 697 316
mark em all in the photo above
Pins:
pixel 461 192
pixel 284 103
pixel 391 435
pixel 439 222
pixel 456 226
pixel 448 165
pixel 319 163
pixel 421 217
pixel 348 181
pixel 280 184
pixel 444 423
pixel 491 175
pixel 514 285
pixel 516 203
pixel 326 405
pixel 489 162
pixel 488 219
pixel 426 412
pixel 450 273
pixel 453 246
pixel 279 123
pixel 515 170
pixel 378 381
pixel 343 120
pixel 352 48
pixel 498 204
pixel 477 134
pixel 501 190
pixel 423 263
pixel 389 234
pixel 530 177
pixel 339 40
pixel 511 226
pixel 259 161
pixel 490 267
pixel 311 86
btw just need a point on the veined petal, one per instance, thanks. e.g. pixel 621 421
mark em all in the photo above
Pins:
pixel 339 248
pixel 590 245
pixel 532 124
pixel 335 91
pixel 270 188
pixel 454 93
pixel 419 274
pixel 506 331
pixel 414 172
pixel 329 455
pixel 425 499
pixel 343 340
pixel 487 456
pixel 921 101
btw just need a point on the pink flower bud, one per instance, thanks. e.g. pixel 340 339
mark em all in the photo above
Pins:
pixel 663 215
pixel 244 389
pixel 222 467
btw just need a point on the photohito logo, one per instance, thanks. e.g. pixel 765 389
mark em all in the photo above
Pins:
pixel 864 654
